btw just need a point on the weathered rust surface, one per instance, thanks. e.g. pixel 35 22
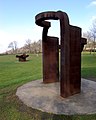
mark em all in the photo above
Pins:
pixel 70 53
pixel 50 60
pixel 22 58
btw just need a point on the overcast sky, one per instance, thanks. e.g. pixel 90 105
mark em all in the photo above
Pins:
pixel 17 18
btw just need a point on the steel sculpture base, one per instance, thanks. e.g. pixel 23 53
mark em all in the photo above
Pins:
pixel 46 98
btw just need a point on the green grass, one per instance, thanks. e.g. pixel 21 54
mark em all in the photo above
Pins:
pixel 88 66
pixel 13 74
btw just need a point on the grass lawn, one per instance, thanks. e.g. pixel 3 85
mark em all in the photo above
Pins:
pixel 88 66
pixel 13 74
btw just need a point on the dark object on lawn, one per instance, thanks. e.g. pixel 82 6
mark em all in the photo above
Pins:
pixel 71 45
pixel 22 57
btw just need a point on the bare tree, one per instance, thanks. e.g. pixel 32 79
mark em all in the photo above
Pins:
pixel 89 45
pixel 28 45
pixel 13 46
pixel 93 34
pixel 39 46
pixel 34 47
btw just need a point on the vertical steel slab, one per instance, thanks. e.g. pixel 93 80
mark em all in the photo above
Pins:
pixel 71 63
pixel 75 60
pixel 50 60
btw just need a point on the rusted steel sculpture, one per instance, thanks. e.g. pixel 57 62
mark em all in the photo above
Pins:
pixel 22 58
pixel 70 53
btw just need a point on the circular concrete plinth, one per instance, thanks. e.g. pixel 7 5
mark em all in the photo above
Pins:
pixel 46 97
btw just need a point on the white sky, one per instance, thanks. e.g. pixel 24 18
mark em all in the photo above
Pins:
pixel 17 18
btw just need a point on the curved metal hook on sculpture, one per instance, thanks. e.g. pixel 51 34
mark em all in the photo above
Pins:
pixel 64 30
pixel 71 47
pixel 62 16
pixel 50 47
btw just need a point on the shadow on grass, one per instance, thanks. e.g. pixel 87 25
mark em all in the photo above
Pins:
pixel 11 108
